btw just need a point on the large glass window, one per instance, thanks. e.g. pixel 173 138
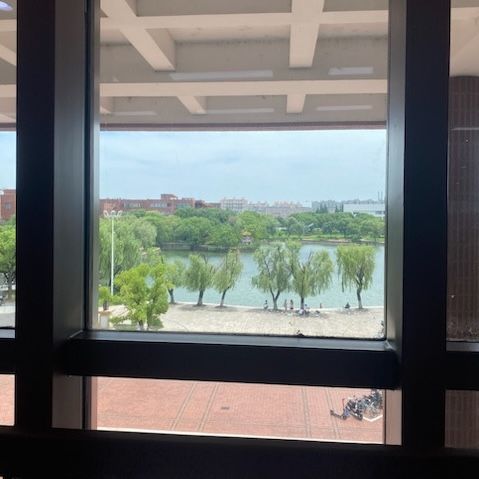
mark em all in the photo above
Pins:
pixel 242 167
pixel 195 407
pixel 8 62
pixel 463 215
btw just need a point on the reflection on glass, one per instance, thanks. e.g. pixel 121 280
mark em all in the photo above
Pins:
pixel 7 397
pixel 462 419
pixel 8 62
pixel 463 214
pixel 295 412
pixel 255 166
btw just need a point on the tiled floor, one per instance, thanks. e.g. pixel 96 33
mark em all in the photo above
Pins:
pixel 230 408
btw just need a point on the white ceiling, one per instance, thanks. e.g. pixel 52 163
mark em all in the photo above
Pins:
pixel 186 62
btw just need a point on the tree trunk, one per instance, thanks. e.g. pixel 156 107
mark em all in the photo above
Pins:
pixel 358 294
pixel 10 288
pixel 142 325
pixel 302 303
pixel 222 302
pixel 171 292
pixel 200 298
pixel 275 302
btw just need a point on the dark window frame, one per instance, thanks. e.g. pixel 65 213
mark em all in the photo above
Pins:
pixel 52 353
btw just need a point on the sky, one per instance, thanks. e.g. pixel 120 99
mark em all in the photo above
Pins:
pixel 301 166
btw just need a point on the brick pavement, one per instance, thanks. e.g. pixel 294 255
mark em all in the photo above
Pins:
pixel 230 409
pixel 220 408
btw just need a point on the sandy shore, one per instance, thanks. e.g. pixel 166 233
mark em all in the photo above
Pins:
pixel 353 323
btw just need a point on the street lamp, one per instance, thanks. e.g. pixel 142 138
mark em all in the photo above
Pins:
pixel 112 215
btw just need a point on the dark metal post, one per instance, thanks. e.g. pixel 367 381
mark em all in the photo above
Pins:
pixel 50 225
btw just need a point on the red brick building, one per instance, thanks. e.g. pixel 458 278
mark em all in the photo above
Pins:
pixel 8 204
pixel 167 204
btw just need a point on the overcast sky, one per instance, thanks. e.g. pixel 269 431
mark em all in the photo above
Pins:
pixel 260 166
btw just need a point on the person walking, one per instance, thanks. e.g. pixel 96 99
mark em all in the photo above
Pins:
pixel 291 305
pixel 285 305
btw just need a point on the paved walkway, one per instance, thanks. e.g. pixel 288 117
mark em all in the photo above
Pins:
pixel 231 409
pixel 219 408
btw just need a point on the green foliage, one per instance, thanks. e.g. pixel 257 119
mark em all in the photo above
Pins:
pixel 213 214
pixel 199 275
pixel 311 276
pixel 165 226
pixel 260 226
pixel 194 231
pixel 143 291
pixel 224 236
pixel 133 237
pixel 227 273
pixel 104 297
pixel 273 270
pixel 356 265
pixel 8 255
pixel 174 276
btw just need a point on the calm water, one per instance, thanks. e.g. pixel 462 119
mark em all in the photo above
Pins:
pixel 246 295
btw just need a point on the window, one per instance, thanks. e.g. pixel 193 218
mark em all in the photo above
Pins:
pixel 57 356
pixel 8 62
pixel 256 165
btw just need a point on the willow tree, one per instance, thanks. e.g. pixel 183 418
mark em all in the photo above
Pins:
pixel 273 270
pixel 356 265
pixel 199 276
pixel 174 273
pixel 311 276
pixel 227 273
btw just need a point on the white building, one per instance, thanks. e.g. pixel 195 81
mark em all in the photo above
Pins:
pixel 234 204
pixel 375 208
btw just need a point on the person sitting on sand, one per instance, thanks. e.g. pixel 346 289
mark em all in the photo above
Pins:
pixel 265 305
pixel 347 306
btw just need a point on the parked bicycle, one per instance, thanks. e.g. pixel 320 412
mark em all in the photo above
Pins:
pixel 370 405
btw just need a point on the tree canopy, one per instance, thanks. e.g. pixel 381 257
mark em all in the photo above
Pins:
pixel 356 265
pixel 8 255
pixel 311 276
pixel 199 275
pixel 227 273
pixel 273 270
pixel 143 291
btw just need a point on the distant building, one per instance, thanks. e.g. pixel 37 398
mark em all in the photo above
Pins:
pixel 279 208
pixel 8 204
pixel 331 206
pixel 167 204
pixel 375 208
pixel 234 204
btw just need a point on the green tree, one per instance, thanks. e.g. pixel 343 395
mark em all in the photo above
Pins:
pixel 8 256
pixel 260 226
pixel 199 275
pixel 225 236
pixel 356 265
pixel 143 291
pixel 311 276
pixel 174 274
pixel 227 273
pixel 104 297
pixel 273 270
pixel 194 231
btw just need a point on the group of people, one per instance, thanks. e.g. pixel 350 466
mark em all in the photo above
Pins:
pixel 289 305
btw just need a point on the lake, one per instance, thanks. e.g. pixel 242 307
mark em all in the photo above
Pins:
pixel 244 294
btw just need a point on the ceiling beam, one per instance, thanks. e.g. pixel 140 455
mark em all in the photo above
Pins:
pixel 295 103
pixel 304 32
pixel 243 88
pixel 194 104
pixel 159 52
